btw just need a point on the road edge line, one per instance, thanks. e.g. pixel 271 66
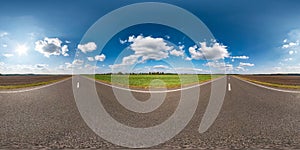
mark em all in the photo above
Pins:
pixel 266 87
pixel 34 88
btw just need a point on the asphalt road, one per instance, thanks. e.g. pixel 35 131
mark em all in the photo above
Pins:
pixel 251 117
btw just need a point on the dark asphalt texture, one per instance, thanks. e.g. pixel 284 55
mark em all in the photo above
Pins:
pixel 251 117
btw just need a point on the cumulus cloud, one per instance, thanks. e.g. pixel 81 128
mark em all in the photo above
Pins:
pixel 8 55
pixel 220 65
pixel 149 48
pixel 214 52
pixel 90 58
pixel 188 58
pixel 145 48
pixel 290 45
pixel 123 41
pixel 88 47
pixel 160 67
pixel 287 69
pixel 189 70
pixel 51 46
pixel 239 68
pixel 177 52
pixel 246 64
pixel 41 66
pixel 100 57
pixel 240 57
pixel 288 59
pixel 3 34
pixel 77 62
pixel 24 68
pixel 64 50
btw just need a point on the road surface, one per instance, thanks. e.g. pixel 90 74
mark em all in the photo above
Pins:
pixel 251 117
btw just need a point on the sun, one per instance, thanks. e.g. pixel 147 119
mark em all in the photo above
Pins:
pixel 22 49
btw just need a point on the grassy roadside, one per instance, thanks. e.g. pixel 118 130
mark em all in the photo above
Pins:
pixel 9 87
pixel 283 86
pixel 144 81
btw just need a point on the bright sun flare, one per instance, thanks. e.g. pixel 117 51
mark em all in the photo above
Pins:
pixel 22 49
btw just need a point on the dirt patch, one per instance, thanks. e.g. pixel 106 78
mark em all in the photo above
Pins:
pixel 276 79
pixel 22 80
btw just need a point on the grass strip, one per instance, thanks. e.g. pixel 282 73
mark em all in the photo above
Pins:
pixel 29 85
pixel 144 81
pixel 271 84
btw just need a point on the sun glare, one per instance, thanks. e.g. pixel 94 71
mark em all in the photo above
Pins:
pixel 22 49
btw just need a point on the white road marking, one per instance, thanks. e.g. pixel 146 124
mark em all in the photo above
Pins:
pixel 77 85
pixel 31 89
pixel 166 91
pixel 270 88
pixel 229 87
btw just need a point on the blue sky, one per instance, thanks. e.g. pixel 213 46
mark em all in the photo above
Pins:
pixel 259 36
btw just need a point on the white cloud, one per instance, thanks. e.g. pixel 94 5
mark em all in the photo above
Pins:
pixel 64 50
pixel 246 64
pixel 215 52
pixel 240 57
pixel 145 48
pixel 8 55
pixel 4 45
pixel 90 58
pixel 88 67
pixel 3 34
pixel 77 62
pixel 240 68
pixel 188 58
pixel 288 59
pixel 189 70
pixel 68 42
pixel 287 69
pixel 149 48
pixel 219 65
pixel 88 47
pixel 123 41
pixel 100 57
pixel 160 67
pixel 68 65
pixel 177 52
pixel 51 46
pixel 290 45
pixel 24 69
pixel 41 66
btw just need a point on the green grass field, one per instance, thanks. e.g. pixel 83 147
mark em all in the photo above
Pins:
pixel 144 81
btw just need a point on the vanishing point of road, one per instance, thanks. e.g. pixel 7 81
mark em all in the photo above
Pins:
pixel 251 117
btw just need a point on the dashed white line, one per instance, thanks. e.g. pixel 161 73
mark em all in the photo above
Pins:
pixel 229 87
pixel 77 85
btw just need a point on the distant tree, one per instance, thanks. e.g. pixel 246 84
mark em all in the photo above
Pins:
pixel 120 73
